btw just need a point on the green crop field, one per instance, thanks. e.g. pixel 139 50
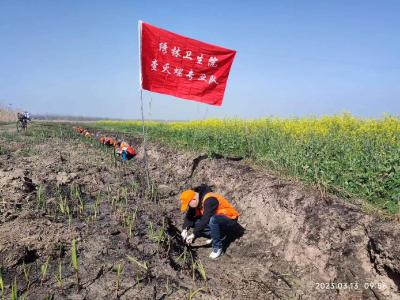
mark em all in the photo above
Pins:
pixel 351 157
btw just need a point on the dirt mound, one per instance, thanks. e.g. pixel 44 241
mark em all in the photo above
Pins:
pixel 297 244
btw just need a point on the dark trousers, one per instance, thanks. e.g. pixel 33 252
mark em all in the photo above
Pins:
pixel 217 229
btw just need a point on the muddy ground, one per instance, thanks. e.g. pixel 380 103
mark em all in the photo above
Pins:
pixel 56 186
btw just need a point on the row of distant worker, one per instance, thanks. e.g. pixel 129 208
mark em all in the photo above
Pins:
pixel 121 148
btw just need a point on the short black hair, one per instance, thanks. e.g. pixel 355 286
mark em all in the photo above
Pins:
pixel 203 189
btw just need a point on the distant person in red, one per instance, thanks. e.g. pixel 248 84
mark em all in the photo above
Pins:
pixel 124 150
pixel 128 153
pixel 78 130
pixel 109 141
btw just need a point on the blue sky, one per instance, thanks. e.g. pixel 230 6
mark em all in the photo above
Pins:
pixel 294 58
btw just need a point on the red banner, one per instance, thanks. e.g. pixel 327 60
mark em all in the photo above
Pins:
pixel 176 65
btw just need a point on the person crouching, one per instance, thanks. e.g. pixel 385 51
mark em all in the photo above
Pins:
pixel 210 215
pixel 124 150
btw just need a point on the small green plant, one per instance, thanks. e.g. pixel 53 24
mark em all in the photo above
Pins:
pixel 193 265
pixel 124 195
pixel 40 197
pixel 160 236
pixel 193 293
pixel 1 285
pixel 183 258
pixel 27 271
pixel 81 206
pixel 201 269
pixel 43 271
pixel 97 206
pixel 62 205
pixel 137 262
pixel 135 187
pixel 14 290
pixel 129 222
pixel 59 277
pixel 109 193
pixel 74 258
pixel 119 269
pixel 113 202
pixel 167 287
pixel 77 196
pixel 67 210
pixel 152 193
pixel 75 192
pixel 138 280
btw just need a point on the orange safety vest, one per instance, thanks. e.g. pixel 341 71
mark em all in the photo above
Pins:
pixel 224 207
pixel 131 151
pixel 109 141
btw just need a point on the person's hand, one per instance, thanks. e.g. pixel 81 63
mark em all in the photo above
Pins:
pixel 184 234
pixel 190 239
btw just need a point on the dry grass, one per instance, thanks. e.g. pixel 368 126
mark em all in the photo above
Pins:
pixel 7 115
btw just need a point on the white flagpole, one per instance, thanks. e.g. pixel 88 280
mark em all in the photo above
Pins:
pixel 140 52
pixel 141 103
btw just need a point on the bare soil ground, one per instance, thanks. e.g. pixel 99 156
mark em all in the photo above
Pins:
pixel 297 243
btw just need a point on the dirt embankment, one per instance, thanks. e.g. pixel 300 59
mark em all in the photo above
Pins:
pixel 296 245
pixel 312 239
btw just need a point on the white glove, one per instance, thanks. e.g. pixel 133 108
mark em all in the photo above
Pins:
pixel 190 239
pixel 184 233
